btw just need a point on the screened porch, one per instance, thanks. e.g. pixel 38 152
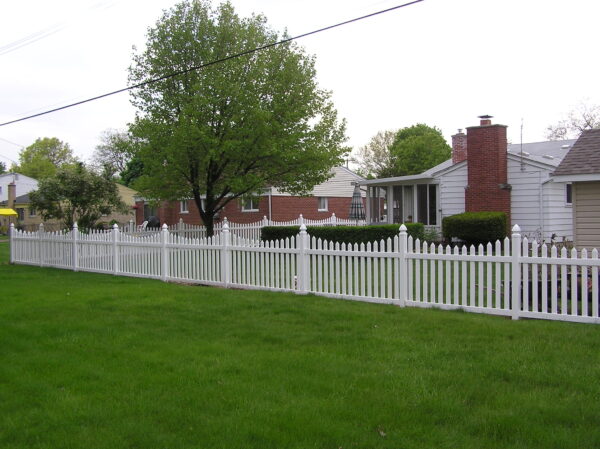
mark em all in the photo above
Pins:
pixel 403 201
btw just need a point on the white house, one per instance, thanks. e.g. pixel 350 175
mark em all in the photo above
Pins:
pixel 24 184
pixel 484 174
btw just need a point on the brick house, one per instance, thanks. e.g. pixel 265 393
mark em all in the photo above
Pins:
pixel 332 196
pixel 485 173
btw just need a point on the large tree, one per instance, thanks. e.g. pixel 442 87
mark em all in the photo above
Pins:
pixel 76 194
pixel 2 168
pixel 409 151
pixel 114 152
pixel 42 158
pixel 229 129
pixel 585 116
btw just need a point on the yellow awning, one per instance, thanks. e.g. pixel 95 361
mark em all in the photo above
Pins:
pixel 8 212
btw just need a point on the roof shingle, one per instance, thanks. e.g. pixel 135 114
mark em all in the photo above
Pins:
pixel 584 157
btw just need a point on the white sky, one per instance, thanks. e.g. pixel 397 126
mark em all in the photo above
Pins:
pixel 439 62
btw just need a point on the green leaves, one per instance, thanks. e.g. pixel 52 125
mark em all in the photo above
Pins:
pixel 76 194
pixel 42 158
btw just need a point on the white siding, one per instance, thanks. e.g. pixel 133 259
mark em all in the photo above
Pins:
pixel 452 191
pixel 586 202
pixel 526 197
pixel 558 216
pixel 25 184
pixel 339 185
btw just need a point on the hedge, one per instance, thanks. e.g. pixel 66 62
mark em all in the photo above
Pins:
pixel 344 234
pixel 475 227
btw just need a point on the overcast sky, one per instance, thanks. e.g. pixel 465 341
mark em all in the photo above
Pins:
pixel 439 62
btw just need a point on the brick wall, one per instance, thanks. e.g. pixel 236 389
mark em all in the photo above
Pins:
pixel 487 169
pixel 459 147
pixel 283 208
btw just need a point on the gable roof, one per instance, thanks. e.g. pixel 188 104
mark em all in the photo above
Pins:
pixel 583 159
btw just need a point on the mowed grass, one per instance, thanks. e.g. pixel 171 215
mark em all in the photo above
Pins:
pixel 96 361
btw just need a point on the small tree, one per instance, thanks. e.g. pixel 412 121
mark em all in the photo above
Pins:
pixel 584 116
pixel 114 152
pixel 76 194
pixel 375 157
pixel 2 168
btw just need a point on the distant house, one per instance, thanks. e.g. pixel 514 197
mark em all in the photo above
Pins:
pixel 581 168
pixel 332 196
pixel 30 219
pixel 484 174
pixel 23 184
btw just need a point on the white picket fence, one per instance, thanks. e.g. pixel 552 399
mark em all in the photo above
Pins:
pixel 515 278
pixel 252 230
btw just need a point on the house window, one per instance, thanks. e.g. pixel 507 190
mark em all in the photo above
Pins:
pixel 250 205
pixel 21 213
pixel 183 207
pixel 32 212
pixel 569 194
pixel 322 204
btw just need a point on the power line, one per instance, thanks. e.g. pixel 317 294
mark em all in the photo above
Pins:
pixel 218 61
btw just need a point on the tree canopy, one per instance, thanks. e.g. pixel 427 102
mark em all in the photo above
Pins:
pixel 2 168
pixel 409 151
pixel 229 129
pixel 76 194
pixel 585 116
pixel 113 153
pixel 42 158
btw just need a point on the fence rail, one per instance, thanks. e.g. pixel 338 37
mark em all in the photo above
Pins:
pixel 245 230
pixel 515 277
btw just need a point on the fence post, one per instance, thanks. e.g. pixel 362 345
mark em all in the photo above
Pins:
pixel 403 265
pixel 333 219
pixel 41 244
pixel 265 221
pixel 515 249
pixel 11 237
pixel 75 248
pixel 300 220
pixel 115 245
pixel 164 269
pixel 225 254
pixel 131 227
pixel 303 277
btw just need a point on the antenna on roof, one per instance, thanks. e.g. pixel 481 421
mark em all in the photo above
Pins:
pixel 522 164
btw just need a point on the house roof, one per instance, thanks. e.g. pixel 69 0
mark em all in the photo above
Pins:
pixel 582 160
pixel 550 153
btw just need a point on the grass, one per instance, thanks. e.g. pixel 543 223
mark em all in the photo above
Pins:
pixel 96 361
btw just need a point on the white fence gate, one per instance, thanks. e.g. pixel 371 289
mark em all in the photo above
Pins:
pixel 515 278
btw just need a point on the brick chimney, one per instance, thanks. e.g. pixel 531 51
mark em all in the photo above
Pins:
pixel 12 195
pixel 487 188
pixel 459 147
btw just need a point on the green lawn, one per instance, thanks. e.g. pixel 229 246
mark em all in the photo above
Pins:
pixel 95 361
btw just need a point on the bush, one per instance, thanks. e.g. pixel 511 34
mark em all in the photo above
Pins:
pixel 343 234
pixel 475 227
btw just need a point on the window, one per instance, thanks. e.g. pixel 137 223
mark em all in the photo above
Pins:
pixel 569 194
pixel 21 213
pixel 250 205
pixel 183 207
pixel 322 204
pixel 32 212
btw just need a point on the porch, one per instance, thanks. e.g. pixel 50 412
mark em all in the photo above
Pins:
pixel 403 199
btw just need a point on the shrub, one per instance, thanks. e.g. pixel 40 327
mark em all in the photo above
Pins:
pixel 475 227
pixel 344 234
